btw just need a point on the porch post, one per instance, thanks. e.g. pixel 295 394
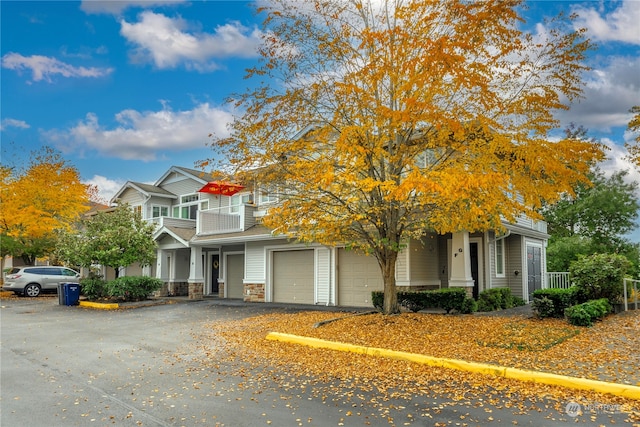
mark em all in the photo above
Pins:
pixel 461 262
pixel 196 278
pixel 161 268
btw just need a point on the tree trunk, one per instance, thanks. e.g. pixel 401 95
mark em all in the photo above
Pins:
pixel 28 259
pixel 388 267
pixel 117 270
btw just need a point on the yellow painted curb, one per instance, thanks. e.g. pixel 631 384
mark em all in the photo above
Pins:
pixel 622 390
pixel 89 304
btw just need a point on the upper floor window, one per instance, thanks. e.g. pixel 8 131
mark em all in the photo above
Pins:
pixel 267 197
pixel 237 200
pixel 137 209
pixel 189 198
pixel 188 207
pixel 158 211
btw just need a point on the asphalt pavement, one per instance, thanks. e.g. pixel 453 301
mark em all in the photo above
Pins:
pixel 73 366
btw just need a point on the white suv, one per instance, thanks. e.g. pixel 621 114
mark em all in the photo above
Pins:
pixel 30 281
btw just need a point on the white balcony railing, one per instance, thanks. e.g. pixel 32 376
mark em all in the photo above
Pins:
pixel 165 221
pixel 224 220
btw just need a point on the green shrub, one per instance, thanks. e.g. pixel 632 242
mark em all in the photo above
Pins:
pixel 469 305
pixel 413 301
pixel 560 299
pixel 450 298
pixel 588 312
pixel 377 299
pixel 133 288
pixel 497 299
pixel 518 302
pixel 599 276
pixel 544 307
pixel 94 286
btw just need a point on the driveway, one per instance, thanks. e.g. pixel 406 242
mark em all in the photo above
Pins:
pixel 71 366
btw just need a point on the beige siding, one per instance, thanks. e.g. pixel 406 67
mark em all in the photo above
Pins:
pixel 513 263
pixel 424 261
pixel 323 276
pixel 132 197
pixel 182 187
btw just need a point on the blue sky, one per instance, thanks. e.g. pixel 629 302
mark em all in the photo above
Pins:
pixel 126 89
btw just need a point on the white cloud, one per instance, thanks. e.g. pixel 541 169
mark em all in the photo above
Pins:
pixel 6 123
pixel 107 188
pixel 141 135
pixel 116 7
pixel 43 67
pixel 168 42
pixel 621 24
pixel 617 160
pixel 609 93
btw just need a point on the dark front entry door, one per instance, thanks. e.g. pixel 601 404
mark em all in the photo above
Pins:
pixel 215 271
pixel 473 251
pixel 534 269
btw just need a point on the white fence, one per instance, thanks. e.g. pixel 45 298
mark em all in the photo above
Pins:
pixel 558 280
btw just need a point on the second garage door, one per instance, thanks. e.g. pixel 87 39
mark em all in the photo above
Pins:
pixel 358 276
pixel 293 277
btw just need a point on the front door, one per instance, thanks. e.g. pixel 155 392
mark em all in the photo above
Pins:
pixel 215 271
pixel 534 269
pixel 473 257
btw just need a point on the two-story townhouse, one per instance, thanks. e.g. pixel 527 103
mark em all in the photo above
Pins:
pixel 211 243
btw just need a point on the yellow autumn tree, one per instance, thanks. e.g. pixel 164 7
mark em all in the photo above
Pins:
pixel 377 121
pixel 634 126
pixel 45 197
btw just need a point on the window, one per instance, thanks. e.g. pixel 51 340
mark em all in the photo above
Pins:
pixel 187 208
pixel 137 210
pixel 189 212
pixel 499 258
pixel 188 199
pixel 237 200
pixel 266 197
pixel 158 211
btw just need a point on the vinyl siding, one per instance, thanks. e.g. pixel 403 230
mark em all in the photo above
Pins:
pixel 132 197
pixel 182 187
pixel 323 276
pixel 513 262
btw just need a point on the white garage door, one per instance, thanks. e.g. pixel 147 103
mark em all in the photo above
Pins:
pixel 358 276
pixel 293 277
pixel 235 276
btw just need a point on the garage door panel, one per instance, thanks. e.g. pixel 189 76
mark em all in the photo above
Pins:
pixel 358 276
pixel 293 277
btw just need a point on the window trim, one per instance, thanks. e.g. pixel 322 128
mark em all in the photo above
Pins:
pixel 160 208
pixel 499 258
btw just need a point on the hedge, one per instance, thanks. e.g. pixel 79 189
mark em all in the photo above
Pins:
pixel 447 299
pixel 552 302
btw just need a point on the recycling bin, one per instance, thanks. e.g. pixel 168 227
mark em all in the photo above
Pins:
pixel 68 294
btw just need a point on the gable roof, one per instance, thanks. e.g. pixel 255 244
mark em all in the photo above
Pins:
pixel 146 189
pixel 197 175
pixel 182 235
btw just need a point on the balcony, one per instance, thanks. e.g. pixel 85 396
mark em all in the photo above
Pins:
pixel 165 221
pixel 223 220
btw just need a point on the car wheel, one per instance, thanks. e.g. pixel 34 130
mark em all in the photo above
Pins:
pixel 31 290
